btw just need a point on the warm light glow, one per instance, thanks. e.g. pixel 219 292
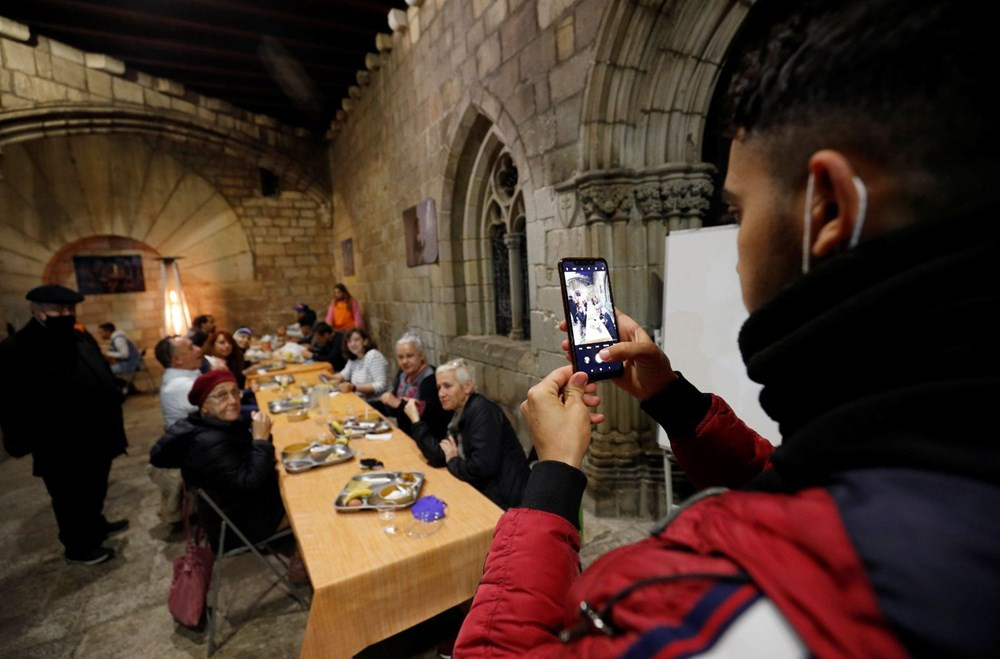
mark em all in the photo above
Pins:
pixel 176 317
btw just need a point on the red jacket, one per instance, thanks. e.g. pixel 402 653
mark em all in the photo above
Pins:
pixel 689 582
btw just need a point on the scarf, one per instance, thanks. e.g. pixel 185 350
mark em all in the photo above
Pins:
pixel 885 356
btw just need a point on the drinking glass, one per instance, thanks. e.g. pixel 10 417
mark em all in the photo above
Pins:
pixel 320 396
pixel 387 517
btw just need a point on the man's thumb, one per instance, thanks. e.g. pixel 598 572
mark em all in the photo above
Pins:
pixel 575 386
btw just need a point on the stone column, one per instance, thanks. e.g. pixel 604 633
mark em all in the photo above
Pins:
pixel 628 214
pixel 515 243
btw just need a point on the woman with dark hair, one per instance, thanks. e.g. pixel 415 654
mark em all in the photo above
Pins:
pixel 345 310
pixel 367 371
pixel 222 345
pixel 343 314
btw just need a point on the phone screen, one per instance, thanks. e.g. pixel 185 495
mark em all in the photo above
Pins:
pixel 590 315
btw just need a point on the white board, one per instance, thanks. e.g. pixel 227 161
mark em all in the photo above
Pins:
pixel 702 315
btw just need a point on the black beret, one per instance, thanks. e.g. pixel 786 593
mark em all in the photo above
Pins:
pixel 54 294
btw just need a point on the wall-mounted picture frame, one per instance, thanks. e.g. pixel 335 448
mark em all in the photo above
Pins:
pixel 420 232
pixel 347 253
pixel 101 275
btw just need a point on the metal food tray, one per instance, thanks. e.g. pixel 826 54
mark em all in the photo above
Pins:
pixel 275 381
pixel 358 429
pixel 377 481
pixel 272 366
pixel 338 453
pixel 288 404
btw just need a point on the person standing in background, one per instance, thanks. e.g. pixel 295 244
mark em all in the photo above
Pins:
pixel 59 401
pixel 343 314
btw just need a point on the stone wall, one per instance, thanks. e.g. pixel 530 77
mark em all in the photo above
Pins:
pixel 98 159
pixel 601 105
pixel 517 68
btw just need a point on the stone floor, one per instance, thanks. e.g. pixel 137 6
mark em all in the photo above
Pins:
pixel 118 609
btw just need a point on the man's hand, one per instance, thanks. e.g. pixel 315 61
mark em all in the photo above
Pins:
pixel 261 425
pixel 390 399
pixel 647 369
pixel 347 387
pixel 412 410
pixel 558 416
pixel 447 445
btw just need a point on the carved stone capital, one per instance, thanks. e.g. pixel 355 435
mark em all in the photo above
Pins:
pixel 676 191
pixel 606 196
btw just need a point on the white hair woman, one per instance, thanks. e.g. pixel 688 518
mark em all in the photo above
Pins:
pixel 481 448
pixel 415 381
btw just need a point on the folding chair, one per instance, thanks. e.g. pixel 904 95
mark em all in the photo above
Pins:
pixel 141 369
pixel 211 611
pixel 144 370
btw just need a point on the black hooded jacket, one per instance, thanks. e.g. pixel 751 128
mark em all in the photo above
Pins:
pixel 236 471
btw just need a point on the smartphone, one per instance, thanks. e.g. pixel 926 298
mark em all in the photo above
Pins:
pixel 590 315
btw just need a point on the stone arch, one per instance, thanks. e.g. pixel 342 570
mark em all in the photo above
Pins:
pixel 483 128
pixel 652 83
pixel 112 185
pixel 52 120
pixel 478 141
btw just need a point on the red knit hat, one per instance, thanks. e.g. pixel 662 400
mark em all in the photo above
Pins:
pixel 203 386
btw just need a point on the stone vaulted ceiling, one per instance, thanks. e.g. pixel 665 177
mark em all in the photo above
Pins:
pixel 291 59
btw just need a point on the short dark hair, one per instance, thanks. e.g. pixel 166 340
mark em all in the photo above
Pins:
pixel 107 327
pixel 906 84
pixel 197 336
pixel 322 328
pixel 164 351
pixel 201 320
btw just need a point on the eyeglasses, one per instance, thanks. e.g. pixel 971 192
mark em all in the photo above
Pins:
pixel 221 396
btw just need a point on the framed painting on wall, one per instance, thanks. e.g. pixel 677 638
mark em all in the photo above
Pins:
pixel 420 231
pixel 98 275
pixel 347 251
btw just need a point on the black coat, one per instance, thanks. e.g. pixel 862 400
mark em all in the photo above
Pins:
pixel 58 401
pixel 494 461
pixel 237 471
pixel 435 416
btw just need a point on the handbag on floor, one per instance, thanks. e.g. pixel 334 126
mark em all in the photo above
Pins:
pixel 192 576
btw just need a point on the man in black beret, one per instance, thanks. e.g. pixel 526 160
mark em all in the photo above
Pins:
pixel 59 402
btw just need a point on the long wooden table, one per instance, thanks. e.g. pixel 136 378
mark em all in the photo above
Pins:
pixel 367 585
pixel 293 368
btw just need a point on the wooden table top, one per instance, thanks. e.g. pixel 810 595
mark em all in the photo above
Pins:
pixel 368 585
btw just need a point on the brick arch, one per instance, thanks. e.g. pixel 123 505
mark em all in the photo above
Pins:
pixel 139 314
pixel 61 190
pixel 281 154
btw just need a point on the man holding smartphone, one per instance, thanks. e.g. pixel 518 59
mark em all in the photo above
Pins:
pixel 861 174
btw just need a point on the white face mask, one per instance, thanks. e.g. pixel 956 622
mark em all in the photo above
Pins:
pixel 807 220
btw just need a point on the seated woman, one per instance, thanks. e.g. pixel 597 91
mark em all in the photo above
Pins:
pixel 222 346
pixel 367 371
pixel 482 448
pixel 220 454
pixel 415 380
pixel 243 337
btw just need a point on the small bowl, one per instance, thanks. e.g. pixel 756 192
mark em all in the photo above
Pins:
pixel 298 451
pixel 297 415
pixel 320 453
pixel 294 466
pixel 396 493
pixel 420 529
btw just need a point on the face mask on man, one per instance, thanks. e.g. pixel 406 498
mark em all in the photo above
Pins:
pixel 807 219
pixel 60 325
